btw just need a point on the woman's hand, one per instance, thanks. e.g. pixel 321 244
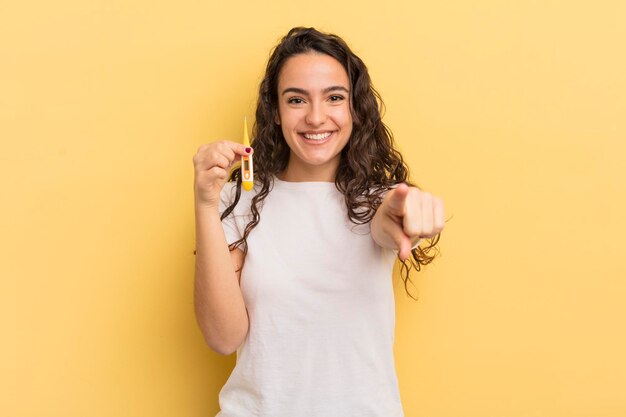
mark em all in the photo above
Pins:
pixel 405 216
pixel 212 164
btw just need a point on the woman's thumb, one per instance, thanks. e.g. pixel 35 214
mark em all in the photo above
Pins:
pixel 401 240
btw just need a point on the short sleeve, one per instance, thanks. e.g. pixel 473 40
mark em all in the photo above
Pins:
pixel 229 224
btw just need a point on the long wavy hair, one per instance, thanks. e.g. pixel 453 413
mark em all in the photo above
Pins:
pixel 369 164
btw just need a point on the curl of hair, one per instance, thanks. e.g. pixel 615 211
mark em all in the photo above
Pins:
pixel 369 164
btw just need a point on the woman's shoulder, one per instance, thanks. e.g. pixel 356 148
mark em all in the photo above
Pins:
pixel 229 194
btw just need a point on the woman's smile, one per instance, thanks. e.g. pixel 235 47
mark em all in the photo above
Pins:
pixel 317 138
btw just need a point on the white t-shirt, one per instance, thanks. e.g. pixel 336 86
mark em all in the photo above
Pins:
pixel 319 296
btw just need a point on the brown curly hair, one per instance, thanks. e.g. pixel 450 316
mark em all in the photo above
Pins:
pixel 369 164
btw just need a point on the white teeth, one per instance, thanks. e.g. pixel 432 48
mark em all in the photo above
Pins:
pixel 318 136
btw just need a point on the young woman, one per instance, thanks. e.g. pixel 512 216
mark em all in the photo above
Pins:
pixel 311 315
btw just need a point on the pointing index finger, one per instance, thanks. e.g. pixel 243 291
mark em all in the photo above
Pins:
pixel 233 150
pixel 397 200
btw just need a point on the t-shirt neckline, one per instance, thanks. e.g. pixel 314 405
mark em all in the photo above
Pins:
pixel 303 184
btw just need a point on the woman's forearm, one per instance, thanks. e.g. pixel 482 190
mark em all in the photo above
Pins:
pixel 219 305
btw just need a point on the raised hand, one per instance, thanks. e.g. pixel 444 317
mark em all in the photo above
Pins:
pixel 212 163
pixel 405 216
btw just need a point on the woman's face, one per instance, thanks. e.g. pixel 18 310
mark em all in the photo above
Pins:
pixel 314 114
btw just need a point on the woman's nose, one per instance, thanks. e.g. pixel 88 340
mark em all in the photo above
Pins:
pixel 316 115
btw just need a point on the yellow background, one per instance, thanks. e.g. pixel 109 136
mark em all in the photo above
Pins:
pixel 512 111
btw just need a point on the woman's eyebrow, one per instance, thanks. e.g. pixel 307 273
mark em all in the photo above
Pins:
pixel 324 91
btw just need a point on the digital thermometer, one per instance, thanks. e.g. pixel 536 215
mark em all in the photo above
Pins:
pixel 247 172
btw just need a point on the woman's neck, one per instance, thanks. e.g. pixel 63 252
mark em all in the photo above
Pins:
pixel 318 174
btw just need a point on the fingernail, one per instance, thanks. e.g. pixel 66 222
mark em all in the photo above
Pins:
pixel 248 150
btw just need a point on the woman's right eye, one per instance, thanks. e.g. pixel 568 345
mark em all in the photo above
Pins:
pixel 294 100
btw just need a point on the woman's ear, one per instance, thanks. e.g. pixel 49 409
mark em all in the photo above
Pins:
pixel 276 119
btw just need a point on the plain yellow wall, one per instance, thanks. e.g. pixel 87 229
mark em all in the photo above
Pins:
pixel 512 111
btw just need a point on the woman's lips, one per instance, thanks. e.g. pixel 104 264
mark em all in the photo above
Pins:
pixel 317 141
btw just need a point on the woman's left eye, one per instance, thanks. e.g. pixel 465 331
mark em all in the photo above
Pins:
pixel 338 98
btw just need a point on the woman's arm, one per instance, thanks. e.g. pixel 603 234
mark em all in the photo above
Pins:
pixel 219 305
